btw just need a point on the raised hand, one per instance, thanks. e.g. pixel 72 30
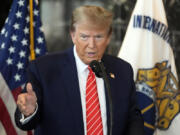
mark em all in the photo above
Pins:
pixel 26 102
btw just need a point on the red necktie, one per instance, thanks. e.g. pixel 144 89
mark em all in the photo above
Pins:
pixel 93 112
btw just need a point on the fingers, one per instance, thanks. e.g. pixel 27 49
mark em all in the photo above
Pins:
pixel 26 109
pixel 22 103
pixel 26 103
pixel 21 99
pixel 29 88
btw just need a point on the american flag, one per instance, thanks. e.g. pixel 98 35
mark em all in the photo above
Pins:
pixel 14 58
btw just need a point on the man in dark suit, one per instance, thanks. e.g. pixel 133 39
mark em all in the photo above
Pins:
pixel 55 99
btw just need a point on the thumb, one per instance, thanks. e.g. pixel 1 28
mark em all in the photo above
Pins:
pixel 29 88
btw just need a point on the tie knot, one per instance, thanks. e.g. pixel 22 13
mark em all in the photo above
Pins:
pixel 90 69
pixel 91 73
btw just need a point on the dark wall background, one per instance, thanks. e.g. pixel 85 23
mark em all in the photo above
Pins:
pixel 4 9
pixel 56 14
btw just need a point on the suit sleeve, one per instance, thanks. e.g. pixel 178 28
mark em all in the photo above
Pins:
pixel 135 121
pixel 34 79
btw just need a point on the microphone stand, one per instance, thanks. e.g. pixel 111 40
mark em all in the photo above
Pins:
pixel 109 96
pixel 99 70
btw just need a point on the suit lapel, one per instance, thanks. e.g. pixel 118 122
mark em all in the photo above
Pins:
pixel 73 92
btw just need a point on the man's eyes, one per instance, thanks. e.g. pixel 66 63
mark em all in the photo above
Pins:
pixel 99 37
pixel 84 37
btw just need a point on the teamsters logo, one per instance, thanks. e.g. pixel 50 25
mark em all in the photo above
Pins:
pixel 159 98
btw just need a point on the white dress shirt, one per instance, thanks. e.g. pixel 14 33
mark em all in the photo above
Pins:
pixel 83 72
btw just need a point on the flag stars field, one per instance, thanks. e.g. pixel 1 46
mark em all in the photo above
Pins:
pixel 3 31
pixel 16 26
pixel 27 19
pixel 36 12
pixel 11 49
pixel 22 54
pixel 17 77
pixel 20 65
pixel 40 40
pixel 41 29
pixel 9 61
pixel 7 19
pixel 14 38
pixel 6 34
pixel 38 51
pixel 26 30
pixel 19 14
pixel 2 45
pixel 24 42
pixel 21 3
pixel 9 22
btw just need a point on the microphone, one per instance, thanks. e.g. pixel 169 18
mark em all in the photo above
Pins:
pixel 99 69
pixel 95 66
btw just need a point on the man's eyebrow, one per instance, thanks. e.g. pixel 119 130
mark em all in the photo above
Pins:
pixel 84 34
pixel 100 34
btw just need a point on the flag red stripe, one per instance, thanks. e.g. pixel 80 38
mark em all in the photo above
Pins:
pixel 6 120
pixel 30 133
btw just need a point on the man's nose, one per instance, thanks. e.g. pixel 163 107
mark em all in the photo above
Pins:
pixel 92 42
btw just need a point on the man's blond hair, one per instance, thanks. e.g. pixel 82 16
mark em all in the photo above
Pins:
pixel 98 16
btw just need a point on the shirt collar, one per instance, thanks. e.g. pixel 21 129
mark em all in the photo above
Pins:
pixel 81 66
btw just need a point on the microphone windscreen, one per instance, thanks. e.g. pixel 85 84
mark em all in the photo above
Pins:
pixel 95 66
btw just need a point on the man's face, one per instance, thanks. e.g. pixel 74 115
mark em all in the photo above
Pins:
pixel 90 41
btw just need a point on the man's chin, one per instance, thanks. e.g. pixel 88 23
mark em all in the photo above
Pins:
pixel 92 60
pixel 89 60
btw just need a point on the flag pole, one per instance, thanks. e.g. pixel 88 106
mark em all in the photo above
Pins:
pixel 32 53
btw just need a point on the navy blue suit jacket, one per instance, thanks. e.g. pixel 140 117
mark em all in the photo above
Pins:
pixel 55 81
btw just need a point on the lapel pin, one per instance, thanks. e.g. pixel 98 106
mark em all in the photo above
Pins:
pixel 112 75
